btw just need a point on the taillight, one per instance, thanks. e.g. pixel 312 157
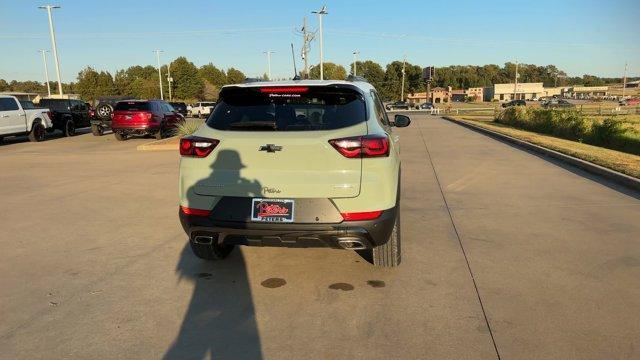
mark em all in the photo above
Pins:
pixel 49 114
pixel 359 216
pixel 197 146
pixel 362 146
pixel 195 212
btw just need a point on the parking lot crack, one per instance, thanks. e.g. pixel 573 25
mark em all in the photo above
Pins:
pixel 464 253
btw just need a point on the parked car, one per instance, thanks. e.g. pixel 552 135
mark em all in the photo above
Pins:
pixel 143 117
pixel 202 109
pixel 629 102
pixel 514 103
pixel 101 122
pixel 398 105
pixel 23 118
pixel 67 115
pixel 557 103
pixel 425 106
pixel 180 107
pixel 294 164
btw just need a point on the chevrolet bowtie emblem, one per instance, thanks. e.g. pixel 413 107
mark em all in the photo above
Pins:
pixel 270 148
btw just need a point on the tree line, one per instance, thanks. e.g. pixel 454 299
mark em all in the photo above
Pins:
pixel 191 83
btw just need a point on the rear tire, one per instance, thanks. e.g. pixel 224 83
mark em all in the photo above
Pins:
pixel 69 128
pixel 211 252
pixel 389 254
pixel 37 132
pixel 119 136
pixel 97 130
pixel 160 134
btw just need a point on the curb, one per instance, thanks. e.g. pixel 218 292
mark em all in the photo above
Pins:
pixel 159 145
pixel 611 175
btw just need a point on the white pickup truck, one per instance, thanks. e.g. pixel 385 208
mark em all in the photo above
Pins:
pixel 201 109
pixel 22 118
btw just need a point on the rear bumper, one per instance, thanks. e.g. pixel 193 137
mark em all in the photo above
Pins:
pixel 135 129
pixel 369 233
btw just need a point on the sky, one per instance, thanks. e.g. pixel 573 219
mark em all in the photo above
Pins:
pixel 581 37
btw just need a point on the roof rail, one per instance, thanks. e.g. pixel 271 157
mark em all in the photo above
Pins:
pixel 356 78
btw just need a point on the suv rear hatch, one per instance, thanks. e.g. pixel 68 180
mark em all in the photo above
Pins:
pixel 274 142
pixel 132 113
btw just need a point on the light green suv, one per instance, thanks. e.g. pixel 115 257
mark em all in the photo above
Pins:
pixel 296 164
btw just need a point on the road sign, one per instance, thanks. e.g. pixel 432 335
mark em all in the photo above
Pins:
pixel 428 73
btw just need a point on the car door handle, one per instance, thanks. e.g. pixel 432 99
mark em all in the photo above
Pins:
pixel 5 115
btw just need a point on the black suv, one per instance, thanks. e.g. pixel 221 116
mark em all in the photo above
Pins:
pixel 514 103
pixel 67 115
pixel 180 108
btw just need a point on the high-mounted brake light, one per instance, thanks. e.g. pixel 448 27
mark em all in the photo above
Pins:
pixel 194 146
pixel 195 212
pixel 359 216
pixel 362 146
pixel 284 90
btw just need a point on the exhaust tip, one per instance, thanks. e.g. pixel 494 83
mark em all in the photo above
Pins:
pixel 351 243
pixel 203 239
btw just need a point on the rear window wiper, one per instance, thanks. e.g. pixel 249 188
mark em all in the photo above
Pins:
pixel 258 125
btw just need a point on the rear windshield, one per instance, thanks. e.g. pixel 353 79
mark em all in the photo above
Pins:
pixel 27 104
pixel 133 106
pixel 294 109
pixel 55 104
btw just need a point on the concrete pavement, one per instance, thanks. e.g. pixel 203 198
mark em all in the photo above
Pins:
pixel 503 253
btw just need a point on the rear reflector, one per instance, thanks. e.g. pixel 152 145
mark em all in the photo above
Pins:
pixel 194 146
pixel 362 146
pixel 194 212
pixel 357 216
pixel 284 90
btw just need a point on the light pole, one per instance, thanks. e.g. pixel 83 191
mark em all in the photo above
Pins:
pixel 624 80
pixel 159 72
pixel 169 80
pixel 321 12
pixel 53 44
pixel 269 52
pixel 355 62
pixel 515 87
pixel 404 63
pixel 46 71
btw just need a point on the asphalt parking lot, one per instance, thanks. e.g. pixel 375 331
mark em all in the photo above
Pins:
pixel 505 255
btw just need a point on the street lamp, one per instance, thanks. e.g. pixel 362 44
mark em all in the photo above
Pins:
pixel 159 72
pixel 321 12
pixel 355 62
pixel 46 70
pixel 269 52
pixel 53 43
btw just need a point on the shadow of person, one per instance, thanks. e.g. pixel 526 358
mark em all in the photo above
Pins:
pixel 220 321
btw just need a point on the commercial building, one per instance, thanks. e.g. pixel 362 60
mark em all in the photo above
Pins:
pixel 586 92
pixel 475 94
pixel 522 91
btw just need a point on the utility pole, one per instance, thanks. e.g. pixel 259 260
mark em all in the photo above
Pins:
pixel 355 62
pixel 307 37
pixel 169 80
pixel 53 44
pixel 404 63
pixel 159 72
pixel 321 12
pixel 515 87
pixel 624 80
pixel 269 52
pixel 46 71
